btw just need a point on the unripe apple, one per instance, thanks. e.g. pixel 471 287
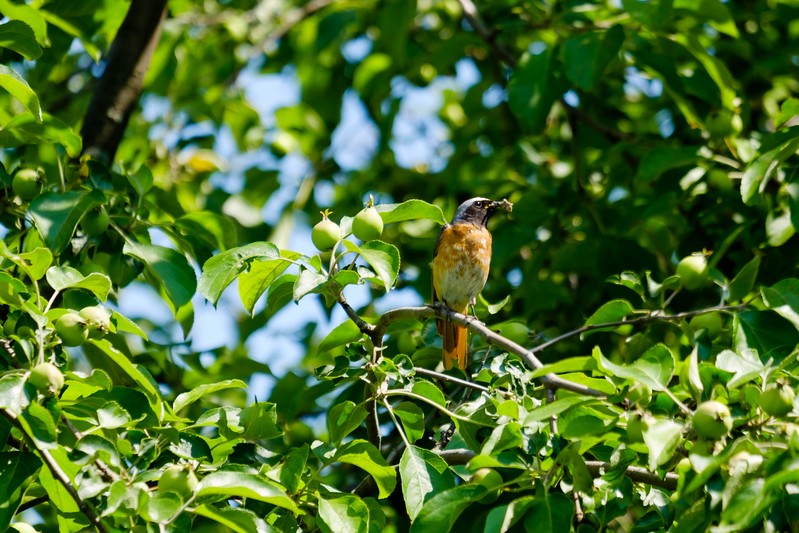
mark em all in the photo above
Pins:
pixel 72 329
pixel 95 221
pixel 367 224
pixel 47 379
pixel 712 419
pixel 27 183
pixel 178 480
pixel 98 318
pixel 710 322
pixel 777 399
pixel 325 234
pixel 491 480
pixel 693 271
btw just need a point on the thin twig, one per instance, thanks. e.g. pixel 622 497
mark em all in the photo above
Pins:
pixel 419 371
pixel 57 472
pixel 472 16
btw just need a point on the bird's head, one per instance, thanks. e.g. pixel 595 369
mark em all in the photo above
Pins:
pixel 478 210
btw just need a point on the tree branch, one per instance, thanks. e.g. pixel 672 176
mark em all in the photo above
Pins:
pixel 57 472
pixel 117 93
pixel 491 337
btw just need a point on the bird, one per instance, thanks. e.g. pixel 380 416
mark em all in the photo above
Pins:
pixel 461 260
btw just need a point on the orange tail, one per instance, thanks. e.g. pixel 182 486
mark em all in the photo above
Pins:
pixel 455 343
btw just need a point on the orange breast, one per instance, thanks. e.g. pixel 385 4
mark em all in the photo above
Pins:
pixel 460 266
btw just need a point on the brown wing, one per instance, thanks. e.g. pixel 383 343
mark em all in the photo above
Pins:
pixel 435 253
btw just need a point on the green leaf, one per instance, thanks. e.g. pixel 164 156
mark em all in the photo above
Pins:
pixel 423 474
pixel 770 335
pixel 365 456
pixel 533 89
pixel 746 366
pixel 187 398
pixel 344 418
pixel 122 361
pixel 223 268
pixel 12 393
pixel 783 298
pixel 243 485
pixel 440 512
pixel 788 109
pixel 779 147
pixel 29 15
pixel 503 437
pixel 232 519
pixel 549 512
pixel 280 293
pixel 259 421
pixel 779 228
pixel 38 423
pixel 308 281
pixel 161 506
pixel 169 267
pixel 744 280
pixel 410 210
pixel 18 36
pixel 63 277
pixel 19 89
pixel 557 407
pixel 141 180
pixel 713 11
pixel 17 469
pixel 654 13
pixel 99 447
pixel 33 128
pixel 34 263
pixel 612 311
pixel 293 466
pixel 190 446
pixel 112 416
pixel 343 512
pixel 500 519
pixel 654 368
pixel 587 56
pixel 384 259
pixel 368 70
pixel 216 231
pixel 662 438
pixel 261 275
pixel 56 215
pixel 656 162
pixel 412 418
pixel 344 333
pixel 126 325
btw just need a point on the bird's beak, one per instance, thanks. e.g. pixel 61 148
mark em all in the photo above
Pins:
pixel 504 204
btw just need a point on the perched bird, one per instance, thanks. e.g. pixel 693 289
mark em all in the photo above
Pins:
pixel 461 260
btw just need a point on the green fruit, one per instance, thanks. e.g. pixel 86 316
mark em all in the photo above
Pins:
pixel 325 234
pixel 723 123
pixel 27 183
pixel 47 379
pixel 367 225
pixel 710 322
pixel 514 331
pixel 692 271
pixel 491 480
pixel 98 318
pixel 178 480
pixel 712 420
pixel 72 329
pixel 95 221
pixel 777 400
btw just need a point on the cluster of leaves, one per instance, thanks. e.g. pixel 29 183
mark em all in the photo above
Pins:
pixel 653 171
